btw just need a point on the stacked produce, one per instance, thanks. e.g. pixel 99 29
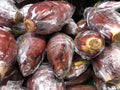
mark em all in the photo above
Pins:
pixel 44 47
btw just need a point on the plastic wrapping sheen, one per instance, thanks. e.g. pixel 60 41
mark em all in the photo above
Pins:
pixel 101 85
pixel 71 27
pixel 44 79
pixel 104 20
pixel 8 51
pixel 109 4
pixel 107 66
pixel 13 85
pixel 24 9
pixel 48 16
pixel 89 44
pixel 77 68
pixel 30 53
pixel 60 51
pixel 8 13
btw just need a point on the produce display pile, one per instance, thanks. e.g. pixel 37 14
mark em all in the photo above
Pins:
pixel 43 46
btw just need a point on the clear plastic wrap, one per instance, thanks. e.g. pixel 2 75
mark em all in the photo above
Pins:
pixel 31 52
pixel 107 65
pixel 13 86
pixel 78 67
pixel 71 27
pixel 18 29
pixel 80 79
pixel 48 16
pixel 8 51
pixel 60 49
pixel 24 9
pixel 109 4
pixel 44 79
pixel 9 13
pixel 82 25
pixel 89 44
pixel 101 85
pixel 104 20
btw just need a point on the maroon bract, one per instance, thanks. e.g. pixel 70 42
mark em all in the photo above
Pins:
pixel 104 20
pixel 8 51
pixel 82 25
pixel 80 79
pixel 48 16
pixel 60 51
pixel 111 85
pixel 30 53
pixel 71 27
pixel 106 66
pixel 44 79
pixel 9 14
pixel 89 44
pixel 78 66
